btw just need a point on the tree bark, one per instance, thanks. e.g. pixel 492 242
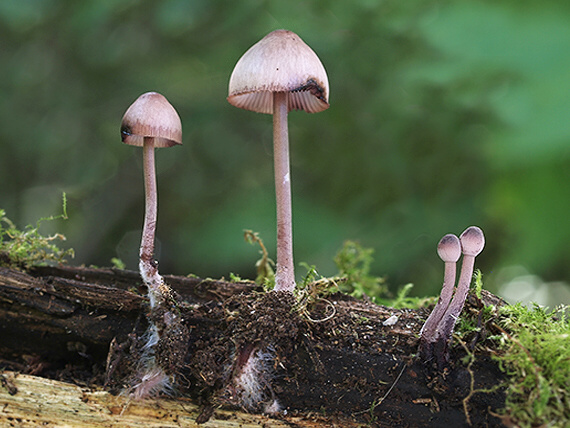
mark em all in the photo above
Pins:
pixel 348 361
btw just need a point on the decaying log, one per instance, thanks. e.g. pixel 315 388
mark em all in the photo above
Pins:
pixel 47 311
pixel 31 401
pixel 349 361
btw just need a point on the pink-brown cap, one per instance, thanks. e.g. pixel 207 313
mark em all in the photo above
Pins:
pixel 472 241
pixel 151 116
pixel 449 248
pixel 280 62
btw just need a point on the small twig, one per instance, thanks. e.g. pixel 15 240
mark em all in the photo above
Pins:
pixel 7 383
pixel 393 385
pixel 381 399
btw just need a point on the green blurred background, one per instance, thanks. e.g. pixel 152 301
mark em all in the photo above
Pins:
pixel 443 114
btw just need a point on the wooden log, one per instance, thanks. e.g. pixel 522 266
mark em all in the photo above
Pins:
pixel 349 360
pixel 31 401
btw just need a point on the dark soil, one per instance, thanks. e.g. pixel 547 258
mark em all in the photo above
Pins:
pixel 348 365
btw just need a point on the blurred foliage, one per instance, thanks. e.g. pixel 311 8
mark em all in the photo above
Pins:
pixel 443 114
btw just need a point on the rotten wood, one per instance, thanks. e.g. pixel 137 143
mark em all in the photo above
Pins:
pixel 356 367
pixel 34 401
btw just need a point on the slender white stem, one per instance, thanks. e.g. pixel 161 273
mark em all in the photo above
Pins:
pixel 150 213
pixel 429 328
pixel 147 265
pixel 451 315
pixel 285 272
pixel 449 251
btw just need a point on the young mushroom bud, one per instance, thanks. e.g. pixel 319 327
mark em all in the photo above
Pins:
pixel 472 243
pixel 449 250
pixel 150 122
pixel 278 74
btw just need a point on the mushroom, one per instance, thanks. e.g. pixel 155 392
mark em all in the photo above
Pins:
pixel 150 122
pixel 472 243
pixel 278 74
pixel 449 250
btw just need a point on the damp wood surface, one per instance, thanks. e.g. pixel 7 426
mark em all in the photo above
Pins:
pixel 338 361
pixel 31 401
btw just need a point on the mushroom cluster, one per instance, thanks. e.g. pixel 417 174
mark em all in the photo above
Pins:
pixel 438 328
pixel 278 74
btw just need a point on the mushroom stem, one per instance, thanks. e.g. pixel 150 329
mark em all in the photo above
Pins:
pixel 147 264
pixel 285 272
pixel 456 306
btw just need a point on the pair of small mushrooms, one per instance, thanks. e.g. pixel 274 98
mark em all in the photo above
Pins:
pixel 438 328
pixel 278 74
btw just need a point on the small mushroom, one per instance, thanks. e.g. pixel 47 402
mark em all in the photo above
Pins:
pixel 449 250
pixel 472 243
pixel 150 122
pixel 278 74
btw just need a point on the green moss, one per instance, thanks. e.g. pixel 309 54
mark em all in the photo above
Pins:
pixel 478 277
pixel 403 300
pixel 353 263
pixel 118 263
pixel 535 348
pixel 264 266
pixel 26 248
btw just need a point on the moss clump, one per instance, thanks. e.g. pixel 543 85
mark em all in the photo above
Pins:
pixel 536 354
pixel 26 248
pixel 264 266
pixel 353 263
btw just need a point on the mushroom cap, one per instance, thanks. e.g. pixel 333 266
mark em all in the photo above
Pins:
pixel 472 241
pixel 449 248
pixel 280 62
pixel 151 116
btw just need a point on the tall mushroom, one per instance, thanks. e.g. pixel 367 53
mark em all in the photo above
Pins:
pixel 150 122
pixel 278 74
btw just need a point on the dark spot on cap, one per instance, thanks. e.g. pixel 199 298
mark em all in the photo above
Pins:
pixel 125 132
pixel 313 88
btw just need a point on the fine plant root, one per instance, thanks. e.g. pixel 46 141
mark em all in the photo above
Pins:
pixel 312 293
pixel 305 312
pixel 380 400
pixel 472 390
